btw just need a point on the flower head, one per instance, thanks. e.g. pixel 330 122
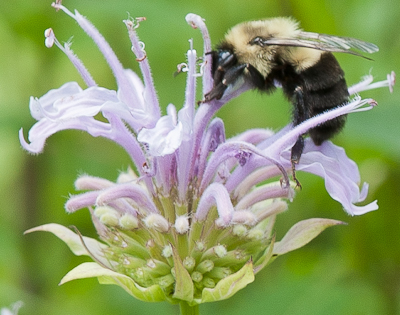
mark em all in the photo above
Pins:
pixel 194 221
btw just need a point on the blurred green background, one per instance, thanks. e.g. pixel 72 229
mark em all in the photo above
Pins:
pixel 352 269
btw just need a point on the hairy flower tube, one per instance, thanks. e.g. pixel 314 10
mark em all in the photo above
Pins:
pixel 192 220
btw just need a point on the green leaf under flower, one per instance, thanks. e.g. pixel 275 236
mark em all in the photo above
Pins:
pixel 73 241
pixel 79 245
pixel 153 293
pixel 184 289
pixel 302 233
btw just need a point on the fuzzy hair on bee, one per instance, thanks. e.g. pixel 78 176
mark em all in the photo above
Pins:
pixel 276 51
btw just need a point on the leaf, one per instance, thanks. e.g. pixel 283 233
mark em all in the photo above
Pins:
pixel 74 241
pixel 70 238
pixel 184 289
pixel 228 286
pixel 153 293
pixel 302 233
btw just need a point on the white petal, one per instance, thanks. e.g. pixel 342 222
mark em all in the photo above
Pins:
pixel 166 137
pixel 340 173
pixel 38 106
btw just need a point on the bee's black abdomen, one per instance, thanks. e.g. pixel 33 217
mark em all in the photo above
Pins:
pixel 326 88
pixel 327 130
pixel 323 87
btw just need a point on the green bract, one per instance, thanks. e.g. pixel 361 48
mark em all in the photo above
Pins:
pixel 169 279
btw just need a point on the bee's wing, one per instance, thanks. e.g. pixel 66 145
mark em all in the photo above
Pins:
pixel 324 42
pixel 341 42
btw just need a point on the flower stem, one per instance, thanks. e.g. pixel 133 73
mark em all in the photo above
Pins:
pixel 186 309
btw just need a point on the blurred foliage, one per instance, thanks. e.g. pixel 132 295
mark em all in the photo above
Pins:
pixel 353 269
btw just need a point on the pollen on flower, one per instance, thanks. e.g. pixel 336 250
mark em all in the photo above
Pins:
pixel 182 224
pixel 49 35
pixel 167 251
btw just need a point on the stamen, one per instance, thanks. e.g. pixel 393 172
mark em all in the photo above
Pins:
pixel 286 141
pixel 182 67
pixel 187 114
pixel 138 20
pixel 78 64
pixel 151 96
pixel 196 21
pixel 50 37
pixel 366 84
pixel 142 49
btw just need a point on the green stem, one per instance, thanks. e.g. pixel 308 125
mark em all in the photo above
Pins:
pixel 186 309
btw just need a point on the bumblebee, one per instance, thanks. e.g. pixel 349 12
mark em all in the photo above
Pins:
pixel 276 52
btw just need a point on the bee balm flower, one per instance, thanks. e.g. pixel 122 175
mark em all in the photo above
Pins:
pixel 193 222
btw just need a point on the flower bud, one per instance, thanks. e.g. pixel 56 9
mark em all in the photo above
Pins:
pixel 128 222
pixel 189 263
pixel 239 230
pixel 100 210
pixel 205 266
pixel 157 222
pixel 109 219
pixel 165 281
pixel 208 282
pixel 196 276
pixel 255 234
pixel 156 267
pixel 219 272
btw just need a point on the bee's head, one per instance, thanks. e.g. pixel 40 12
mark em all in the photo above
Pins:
pixel 245 40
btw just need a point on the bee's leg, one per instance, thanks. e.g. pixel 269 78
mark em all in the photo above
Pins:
pixel 216 93
pixel 229 77
pixel 233 73
pixel 256 77
pixel 297 150
pixel 300 114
